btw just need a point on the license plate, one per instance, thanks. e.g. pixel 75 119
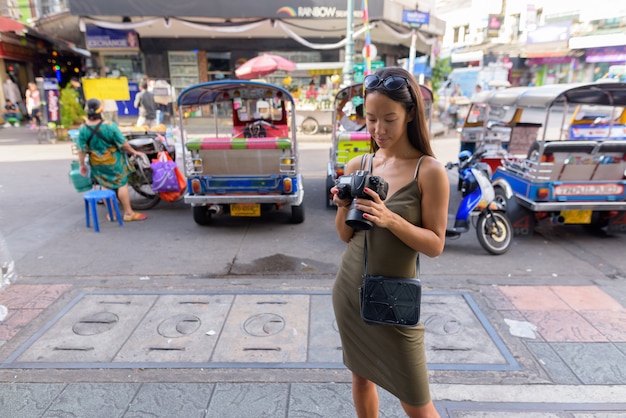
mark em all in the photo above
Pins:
pixel 245 209
pixel 576 216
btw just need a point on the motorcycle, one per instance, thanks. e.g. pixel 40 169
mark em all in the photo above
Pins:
pixel 142 197
pixel 493 227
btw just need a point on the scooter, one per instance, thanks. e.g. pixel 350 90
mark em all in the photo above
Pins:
pixel 142 197
pixel 493 227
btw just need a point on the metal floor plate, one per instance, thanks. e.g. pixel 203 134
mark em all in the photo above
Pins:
pixel 240 330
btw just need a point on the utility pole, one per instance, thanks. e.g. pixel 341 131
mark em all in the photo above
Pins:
pixel 349 53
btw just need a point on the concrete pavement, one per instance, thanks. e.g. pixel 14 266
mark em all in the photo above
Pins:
pixel 265 346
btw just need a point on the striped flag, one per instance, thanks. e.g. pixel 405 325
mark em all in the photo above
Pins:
pixel 367 68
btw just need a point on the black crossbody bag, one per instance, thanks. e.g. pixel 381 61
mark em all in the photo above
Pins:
pixel 390 300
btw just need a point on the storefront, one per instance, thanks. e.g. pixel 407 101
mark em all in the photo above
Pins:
pixel 116 54
pixel 601 61
pixel 217 38
pixel 548 55
pixel 601 52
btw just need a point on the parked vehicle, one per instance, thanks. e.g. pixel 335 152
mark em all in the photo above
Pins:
pixel 487 122
pixel 349 144
pixel 142 197
pixel 249 162
pixel 312 120
pixel 478 206
pixel 569 168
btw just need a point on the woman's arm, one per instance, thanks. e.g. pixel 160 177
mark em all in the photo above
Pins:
pixel 343 205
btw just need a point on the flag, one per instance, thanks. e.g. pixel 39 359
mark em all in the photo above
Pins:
pixel 367 68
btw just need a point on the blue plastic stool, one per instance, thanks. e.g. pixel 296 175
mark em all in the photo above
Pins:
pixel 91 203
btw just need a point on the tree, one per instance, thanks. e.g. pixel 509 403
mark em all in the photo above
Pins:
pixel 440 73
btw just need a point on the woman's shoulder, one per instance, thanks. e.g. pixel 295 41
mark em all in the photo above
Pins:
pixel 430 163
pixel 356 163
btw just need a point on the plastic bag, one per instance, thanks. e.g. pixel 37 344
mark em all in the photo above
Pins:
pixel 164 174
pixel 173 196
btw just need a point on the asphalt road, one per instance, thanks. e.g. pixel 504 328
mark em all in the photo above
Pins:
pixel 42 220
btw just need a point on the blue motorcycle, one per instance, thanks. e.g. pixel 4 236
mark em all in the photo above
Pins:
pixel 478 203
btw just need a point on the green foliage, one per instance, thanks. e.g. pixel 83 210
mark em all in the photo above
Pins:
pixel 71 111
pixel 440 72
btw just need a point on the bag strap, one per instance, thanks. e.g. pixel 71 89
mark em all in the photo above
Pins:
pixel 94 131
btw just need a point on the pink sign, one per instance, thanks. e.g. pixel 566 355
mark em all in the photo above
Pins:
pixel 52 98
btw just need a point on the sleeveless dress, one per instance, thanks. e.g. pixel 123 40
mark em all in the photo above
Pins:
pixel 394 358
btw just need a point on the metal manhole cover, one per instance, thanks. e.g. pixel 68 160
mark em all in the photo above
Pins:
pixel 264 325
pixel 179 326
pixel 95 324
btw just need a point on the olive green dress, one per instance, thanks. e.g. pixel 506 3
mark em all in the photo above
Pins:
pixel 392 357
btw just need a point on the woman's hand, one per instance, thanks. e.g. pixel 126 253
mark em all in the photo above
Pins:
pixel 341 203
pixel 83 170
pixel 375 209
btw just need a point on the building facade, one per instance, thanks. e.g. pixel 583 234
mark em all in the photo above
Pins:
pixel 192 41
pixel 543 42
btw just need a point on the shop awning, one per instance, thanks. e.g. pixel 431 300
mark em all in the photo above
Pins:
pixel 467 56
pixel 596 41
pixel 320 68
pixel 546 49
pixel 60 44
pixel 10 25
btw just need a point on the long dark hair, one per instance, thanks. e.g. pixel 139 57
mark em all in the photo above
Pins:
pixel 413 102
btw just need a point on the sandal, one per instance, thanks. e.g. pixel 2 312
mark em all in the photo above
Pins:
pixel 109 218
pixel 135 217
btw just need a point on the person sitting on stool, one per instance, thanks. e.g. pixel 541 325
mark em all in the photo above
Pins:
pixel 11 114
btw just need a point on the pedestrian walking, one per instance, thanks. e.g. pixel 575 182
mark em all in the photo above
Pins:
pixel 144 101
pixel 33 105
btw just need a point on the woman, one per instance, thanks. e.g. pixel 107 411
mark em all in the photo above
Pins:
pixel 33 105
pixel 411 220
pixel 107 148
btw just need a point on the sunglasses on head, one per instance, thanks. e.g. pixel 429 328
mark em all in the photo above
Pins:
pixel 391 83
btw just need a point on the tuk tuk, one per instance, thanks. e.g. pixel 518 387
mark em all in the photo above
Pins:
pixel 570 167
pixel 247 163
pixel 349 143
pixel 486 123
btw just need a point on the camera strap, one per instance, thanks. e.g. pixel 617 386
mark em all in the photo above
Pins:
pixel 363 161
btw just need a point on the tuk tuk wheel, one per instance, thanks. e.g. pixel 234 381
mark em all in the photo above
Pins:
pixel 201 215
pixel 310 126
pixel 297 214
pixel 330 183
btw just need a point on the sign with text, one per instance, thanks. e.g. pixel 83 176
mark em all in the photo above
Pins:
pixel 98 38
pixel 415 17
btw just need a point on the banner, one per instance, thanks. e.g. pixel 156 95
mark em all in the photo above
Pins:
pixel 106 88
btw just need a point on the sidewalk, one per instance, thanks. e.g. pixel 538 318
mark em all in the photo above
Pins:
pixel 104 346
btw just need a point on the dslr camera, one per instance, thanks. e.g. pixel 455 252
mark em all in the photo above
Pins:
pixel 354 186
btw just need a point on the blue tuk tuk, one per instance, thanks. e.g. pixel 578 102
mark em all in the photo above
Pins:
pixel 240 150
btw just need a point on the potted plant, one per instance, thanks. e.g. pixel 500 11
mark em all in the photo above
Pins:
pixel 71 111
